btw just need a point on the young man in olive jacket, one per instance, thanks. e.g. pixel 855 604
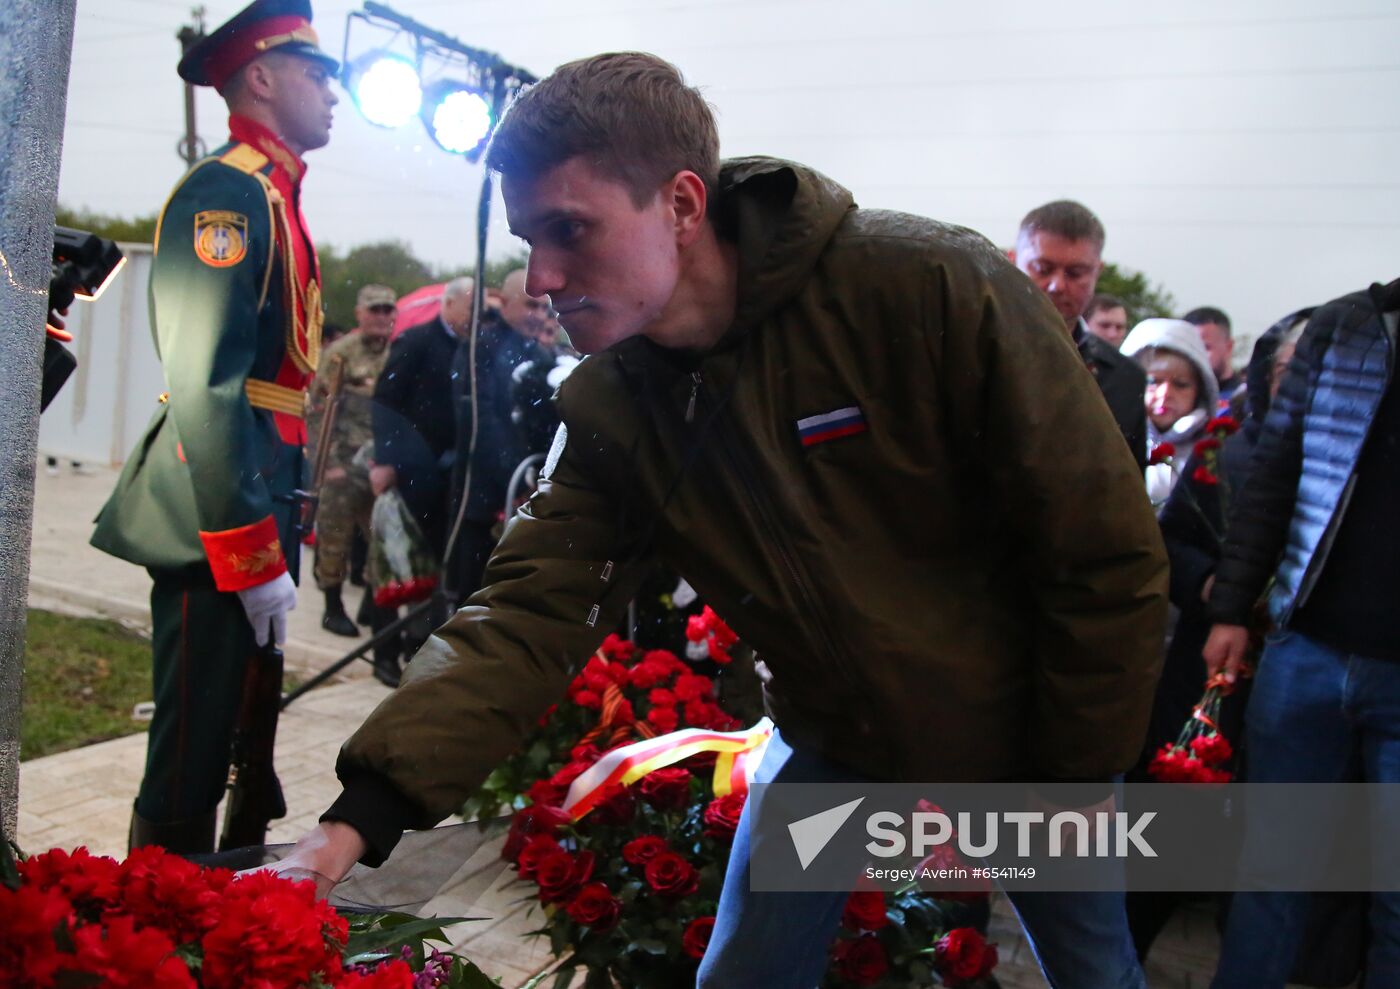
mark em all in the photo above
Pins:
pixel 846 428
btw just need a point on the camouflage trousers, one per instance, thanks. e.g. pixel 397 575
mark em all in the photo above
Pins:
pixel 346 503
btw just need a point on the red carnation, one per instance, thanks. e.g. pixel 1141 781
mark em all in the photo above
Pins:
pixel 1203 475
pixel 696 628
pixel 588 698
pixel 617 648
pixel 671 876
pixel 640 851
pixel 1161 453
pixel 963 955
pixel 560 874
pixel 692 687
pixel 666 789
pixel 594 906
pixel 394 974
pixel 664 659
pixel 697 936
pixel 1205 446
pixel 865 911
pixel 861 960
pixel 122 957
pixel 663 719
pixel 271 932
pixel 722 816
pixel 1213 750
pixel 661 698
pixel 28 917
pixel 1223 424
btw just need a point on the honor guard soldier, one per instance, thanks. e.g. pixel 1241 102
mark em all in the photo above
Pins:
pixel 210 498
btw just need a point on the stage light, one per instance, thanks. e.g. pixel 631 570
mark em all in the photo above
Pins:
pixel 385 88
pixel 457 117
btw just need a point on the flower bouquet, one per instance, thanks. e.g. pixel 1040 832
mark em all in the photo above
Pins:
pixel 629 875
pixel 403 566
pixel 621 694
pixel 157 921
pixel 1200 754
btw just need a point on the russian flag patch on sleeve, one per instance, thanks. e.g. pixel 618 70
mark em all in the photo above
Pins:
pixel 830 426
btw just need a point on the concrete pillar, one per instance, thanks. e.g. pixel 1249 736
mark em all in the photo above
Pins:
pixel 36 46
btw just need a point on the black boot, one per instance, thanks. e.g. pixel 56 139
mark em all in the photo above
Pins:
pixel 365 614
pixel 190 837
pixel 335 619
pixel 386 653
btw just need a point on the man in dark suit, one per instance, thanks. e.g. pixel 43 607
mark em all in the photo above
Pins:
pixel 495 447
pixel 414 419
pixel 1060 246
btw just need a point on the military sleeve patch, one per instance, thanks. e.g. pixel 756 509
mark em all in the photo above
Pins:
pixel 220 237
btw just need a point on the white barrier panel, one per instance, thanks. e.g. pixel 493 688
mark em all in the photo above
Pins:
pixel 104 407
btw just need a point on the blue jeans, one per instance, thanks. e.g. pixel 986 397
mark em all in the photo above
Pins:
pixel 1316 715
pixel 780 940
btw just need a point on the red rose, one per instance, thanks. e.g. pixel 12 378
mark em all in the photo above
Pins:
pixel 545 792
pixel 560 874
pixel 536 850
pixel 702 764
pixel 618 806
pixel 594 906
pixel 663 719
pixel 1223 424
pixel 1203 475
pixel 533 820
pixel 722 816
pixel 666 789
pixel 865 911
pixel 1161 453
pixel 671 876
pixel 861 960
pixel 586 753
pixel 697 936
pixel 640 851
pixel 963 955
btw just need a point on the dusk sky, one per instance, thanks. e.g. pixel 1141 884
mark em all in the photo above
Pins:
pixel 1242 154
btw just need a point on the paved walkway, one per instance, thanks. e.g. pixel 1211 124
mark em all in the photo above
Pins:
pixel 83 797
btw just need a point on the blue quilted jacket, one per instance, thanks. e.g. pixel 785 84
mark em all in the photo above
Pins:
pixel 1303 469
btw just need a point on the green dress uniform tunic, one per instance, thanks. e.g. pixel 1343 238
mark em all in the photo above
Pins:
pixel 205 500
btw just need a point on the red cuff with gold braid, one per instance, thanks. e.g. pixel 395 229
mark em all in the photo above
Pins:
pixel 246 556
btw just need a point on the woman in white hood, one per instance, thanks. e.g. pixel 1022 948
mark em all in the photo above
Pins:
pixel 1181 392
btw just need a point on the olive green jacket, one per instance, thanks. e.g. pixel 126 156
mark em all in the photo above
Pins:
pixel 972 588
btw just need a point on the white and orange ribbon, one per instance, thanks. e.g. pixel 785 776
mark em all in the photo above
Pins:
pixel 738 755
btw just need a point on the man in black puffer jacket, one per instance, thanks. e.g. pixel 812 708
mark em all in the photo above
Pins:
pixel 1318 515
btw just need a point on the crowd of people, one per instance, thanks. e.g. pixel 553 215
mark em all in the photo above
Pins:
pixel 938 502
pixel 410 416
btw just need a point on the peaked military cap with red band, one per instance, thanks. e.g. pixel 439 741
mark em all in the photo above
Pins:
pixel 262 26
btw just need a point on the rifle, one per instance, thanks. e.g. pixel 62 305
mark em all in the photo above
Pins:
pixel 307 501
pixel 254 792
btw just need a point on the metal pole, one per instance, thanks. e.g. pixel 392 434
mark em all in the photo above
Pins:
pixel 189 36
pixel 36 45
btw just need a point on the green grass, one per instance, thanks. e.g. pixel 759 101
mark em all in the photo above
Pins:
pixel 82 677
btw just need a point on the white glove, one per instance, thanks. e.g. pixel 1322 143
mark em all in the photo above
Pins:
pixel 269 603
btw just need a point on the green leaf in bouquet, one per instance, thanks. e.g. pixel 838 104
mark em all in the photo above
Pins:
pixel 394 930
pixel 565 976
pixel 559 936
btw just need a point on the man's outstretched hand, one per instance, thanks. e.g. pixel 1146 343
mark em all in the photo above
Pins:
pixel 324 855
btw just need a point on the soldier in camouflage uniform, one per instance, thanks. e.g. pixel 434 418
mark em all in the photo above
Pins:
pixel 346 500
